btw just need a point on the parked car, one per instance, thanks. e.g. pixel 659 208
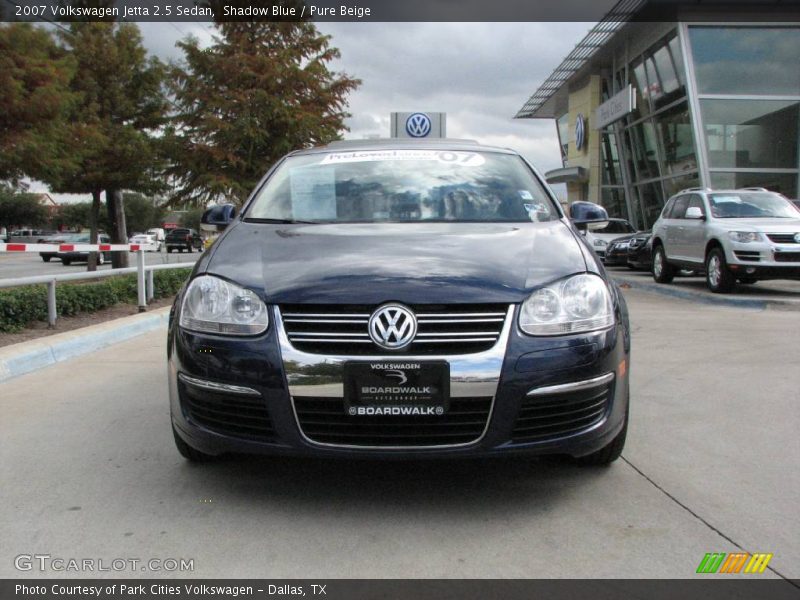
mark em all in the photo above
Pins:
pixel 400 298
pixel 148 240
pixel 640 251
pixel 61 238
pixel 29 236
pixel 67 258
pixel 744 234
pixel 599 238
pixel 159 233
pixel 183 239
pixel 617 249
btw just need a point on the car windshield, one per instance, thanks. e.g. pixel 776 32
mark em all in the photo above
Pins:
pixel 403 186
pixel 742 205
pixel 616 227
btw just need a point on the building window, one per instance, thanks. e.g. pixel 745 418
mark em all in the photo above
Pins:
pixel 642 139
pixel 651 199
pixel 673 185
pixel 675 140
pixel 611 169
pixel 784 183
pixel 746 60
pixel 562 127
pixel 751 133
pixel 613 200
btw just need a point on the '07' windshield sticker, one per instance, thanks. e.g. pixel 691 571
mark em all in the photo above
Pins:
pixel 463 159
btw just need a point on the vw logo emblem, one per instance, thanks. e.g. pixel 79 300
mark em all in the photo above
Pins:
pixel 797 238
pixel 392 326
pixel 418 125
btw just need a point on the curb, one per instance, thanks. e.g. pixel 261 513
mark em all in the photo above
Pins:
pixel 676 292
pixel 26 357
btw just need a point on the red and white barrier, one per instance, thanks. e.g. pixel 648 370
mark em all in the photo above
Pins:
pixel 73 247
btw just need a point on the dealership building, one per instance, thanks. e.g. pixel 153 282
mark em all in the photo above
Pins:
pixel 644 109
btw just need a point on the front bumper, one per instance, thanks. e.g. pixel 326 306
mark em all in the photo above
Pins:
pixel 507 399
pixel 764 260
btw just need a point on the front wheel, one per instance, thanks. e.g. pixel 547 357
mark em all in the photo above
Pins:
pixel 66 262
pixel 189 248
pixel 46 258
pixel 608 453
pixel 663 272
pixel 187 452
pixel 719 278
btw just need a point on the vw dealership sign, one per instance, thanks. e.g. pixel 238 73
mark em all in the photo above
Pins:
pixel 418 125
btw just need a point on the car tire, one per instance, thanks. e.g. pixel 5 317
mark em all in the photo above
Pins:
pixel 189 249
pixel 66 262
pixel 719 278
pixel 46 258
pixel 189 453
pixel 663 272
pixel 169 250
pixel 608 453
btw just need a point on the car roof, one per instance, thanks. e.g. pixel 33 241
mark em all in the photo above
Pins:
pixel 403 144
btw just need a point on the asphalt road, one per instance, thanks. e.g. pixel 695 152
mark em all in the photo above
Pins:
pixel 28 264
pixel 89 470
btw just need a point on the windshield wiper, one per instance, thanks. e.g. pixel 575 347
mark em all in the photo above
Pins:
pixel 279 221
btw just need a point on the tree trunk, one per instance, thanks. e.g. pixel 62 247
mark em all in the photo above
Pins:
pixel 115 205
pixel 94 216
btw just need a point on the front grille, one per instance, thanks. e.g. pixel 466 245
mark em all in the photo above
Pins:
pixel 787 257
pixel 561 414
pixel 748 255
pixel 324 420
pixel 782 238
pixel 442 328
pixel 243 417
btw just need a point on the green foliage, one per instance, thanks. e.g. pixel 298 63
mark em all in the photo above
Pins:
pixel 261 90
pixel 35 103
pixel 19 209
pixel 76 216
pixel 21 306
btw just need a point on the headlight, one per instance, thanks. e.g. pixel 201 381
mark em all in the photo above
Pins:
pixel 214 305
pixel 744 236
pixel 577 304
pixel 599 242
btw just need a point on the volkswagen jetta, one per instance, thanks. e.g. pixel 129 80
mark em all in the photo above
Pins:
pixel 400 299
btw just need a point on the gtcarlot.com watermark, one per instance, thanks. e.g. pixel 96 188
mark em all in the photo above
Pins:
pixel 48 563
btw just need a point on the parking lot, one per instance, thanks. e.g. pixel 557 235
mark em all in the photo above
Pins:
pixel 90 471
pixel 26 264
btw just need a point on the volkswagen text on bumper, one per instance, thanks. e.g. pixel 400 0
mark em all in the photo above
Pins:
pixel 400 299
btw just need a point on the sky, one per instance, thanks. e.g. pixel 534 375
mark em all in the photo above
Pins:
pixel 480 74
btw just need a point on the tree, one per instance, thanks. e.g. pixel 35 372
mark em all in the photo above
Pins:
pixel 122 105
pixel 261 90
pixel 19 209
pixel 76 216
pixel 35 100
pixel 141 213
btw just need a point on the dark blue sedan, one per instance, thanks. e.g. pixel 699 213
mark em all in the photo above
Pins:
pixel 400 299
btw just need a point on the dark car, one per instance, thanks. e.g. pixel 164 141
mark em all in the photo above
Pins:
pixel 183 239
pixel 405 298
pixel 69 257
pixel 630 250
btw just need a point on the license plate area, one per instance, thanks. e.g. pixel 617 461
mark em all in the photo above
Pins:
pixel 396 388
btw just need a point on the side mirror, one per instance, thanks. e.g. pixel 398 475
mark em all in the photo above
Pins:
pixel 218 218
pixel 587 215
pixel 694 212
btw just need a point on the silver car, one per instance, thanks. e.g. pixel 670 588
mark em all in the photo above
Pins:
pixel 745 235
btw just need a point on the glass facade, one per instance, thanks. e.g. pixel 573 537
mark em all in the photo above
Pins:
pixel 748 98
pixel 740 128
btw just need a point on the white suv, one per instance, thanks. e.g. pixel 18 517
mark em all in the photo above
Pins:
pixel 745 235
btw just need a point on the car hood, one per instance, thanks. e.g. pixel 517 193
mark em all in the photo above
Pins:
pixel 765 225
pixel 413 263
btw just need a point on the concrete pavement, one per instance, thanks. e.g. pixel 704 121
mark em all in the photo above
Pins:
pixel 89 470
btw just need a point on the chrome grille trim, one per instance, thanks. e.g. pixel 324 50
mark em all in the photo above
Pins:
pixel 320 329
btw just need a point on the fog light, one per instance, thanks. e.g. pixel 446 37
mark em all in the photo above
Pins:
pixel 750 270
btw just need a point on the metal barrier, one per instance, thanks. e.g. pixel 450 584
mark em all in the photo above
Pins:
pixel 144 280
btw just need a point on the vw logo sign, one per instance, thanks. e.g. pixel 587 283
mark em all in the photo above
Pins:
pixel 418 125
pixel 797 238
pixel 580 131
pixel 392 326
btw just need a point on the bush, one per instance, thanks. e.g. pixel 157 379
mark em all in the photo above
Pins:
pixel 23 305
